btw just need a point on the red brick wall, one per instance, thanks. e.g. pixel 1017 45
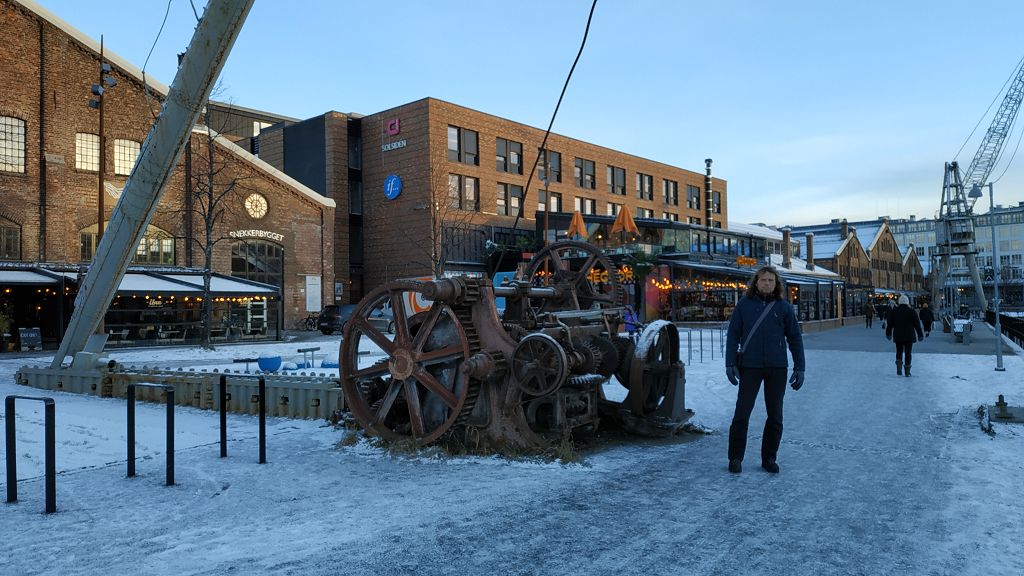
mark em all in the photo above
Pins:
pixel 63 77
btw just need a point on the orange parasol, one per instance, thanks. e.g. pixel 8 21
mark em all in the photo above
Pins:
pixel 577 226
pixel 624 223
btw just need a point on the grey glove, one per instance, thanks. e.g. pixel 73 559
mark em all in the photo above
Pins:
pixel 797 379
pixel 733 375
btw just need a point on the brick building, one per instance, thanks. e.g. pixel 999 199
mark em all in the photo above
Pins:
pixel 392 172
pixel 268 229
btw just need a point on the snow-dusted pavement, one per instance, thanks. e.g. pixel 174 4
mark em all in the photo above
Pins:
pixel 880 475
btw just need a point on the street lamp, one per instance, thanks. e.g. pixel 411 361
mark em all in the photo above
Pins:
pixel 107 79
pixel 976 193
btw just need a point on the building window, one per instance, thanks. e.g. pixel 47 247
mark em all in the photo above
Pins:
pixel 554 201
pixel 644 186
pixel 692 197
pixel 510 198
pixel 670 188
pixel 586 205
pixel 616 180
pixel 463 193
pixel 12 144
pixel 716 202
pixel 126 152
pixel 155 247
pixel 553 160
pixel 87 152
pixel 508 156
pixel 10 240
pixel 258 260
pixel 670 216
pixel 644 213
pixel 584 173
pixel 694 220
pixel 613 208
pixel 463 146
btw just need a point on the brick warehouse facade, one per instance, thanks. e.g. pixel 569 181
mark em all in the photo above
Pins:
pixel 49 188
pixel 389 237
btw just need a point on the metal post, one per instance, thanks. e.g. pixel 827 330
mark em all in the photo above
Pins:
pixel 223 416
pixel 689 346
pixel 263 420
pixel 169 389
pixel 995 277
pixel 50 412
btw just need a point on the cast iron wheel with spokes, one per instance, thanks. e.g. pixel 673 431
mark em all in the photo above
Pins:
pixel 417 391
pixel 573 262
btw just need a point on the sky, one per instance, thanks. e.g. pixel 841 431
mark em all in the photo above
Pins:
pixel 810 110
pixel 881 474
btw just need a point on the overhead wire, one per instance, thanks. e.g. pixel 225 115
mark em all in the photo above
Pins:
pixel 543 144
pixel 145 84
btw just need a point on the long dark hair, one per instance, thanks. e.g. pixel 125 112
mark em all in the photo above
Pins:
pixel 752 291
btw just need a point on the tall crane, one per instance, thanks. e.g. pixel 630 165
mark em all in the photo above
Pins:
pixel 954 231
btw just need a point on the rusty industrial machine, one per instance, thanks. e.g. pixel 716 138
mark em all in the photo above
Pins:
pixel 523 379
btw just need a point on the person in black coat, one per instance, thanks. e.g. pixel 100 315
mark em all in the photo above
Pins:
pixel 763 360
pixel 927 318
pixel 904 328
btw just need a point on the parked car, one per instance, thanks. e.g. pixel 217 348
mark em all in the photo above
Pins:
pixel 333 318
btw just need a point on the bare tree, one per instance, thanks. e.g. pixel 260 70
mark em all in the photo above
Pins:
pixel 216 185
pixel 452 222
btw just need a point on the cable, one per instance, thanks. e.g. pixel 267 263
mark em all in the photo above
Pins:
pixel 145 85
pixel 543 144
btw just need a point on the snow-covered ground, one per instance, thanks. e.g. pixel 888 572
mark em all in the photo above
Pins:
pixel 880 475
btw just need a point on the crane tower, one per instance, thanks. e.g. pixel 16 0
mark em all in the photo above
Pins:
pixel 954 231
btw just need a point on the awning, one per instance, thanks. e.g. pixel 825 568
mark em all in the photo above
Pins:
pixel 25 278
pixel 221 285
pixel 138 284
pixel 744 273
pixel 146 283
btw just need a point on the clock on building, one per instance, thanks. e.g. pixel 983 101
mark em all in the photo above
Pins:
pixel 256 205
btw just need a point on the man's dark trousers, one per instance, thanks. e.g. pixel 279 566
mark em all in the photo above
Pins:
pixel 774 390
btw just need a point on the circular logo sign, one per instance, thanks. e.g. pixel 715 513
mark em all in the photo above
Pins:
pixel 392 186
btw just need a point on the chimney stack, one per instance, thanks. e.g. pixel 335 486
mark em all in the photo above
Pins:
pixel 708 205
pixel 844 228
pixel 810 251
pixel 787 261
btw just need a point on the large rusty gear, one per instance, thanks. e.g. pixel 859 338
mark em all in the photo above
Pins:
pixel 570 264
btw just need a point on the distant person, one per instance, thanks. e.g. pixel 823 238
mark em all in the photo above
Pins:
pixel 927 318
pixel 632 323
pixel 904 328
pixel 869 314
pixel 763 323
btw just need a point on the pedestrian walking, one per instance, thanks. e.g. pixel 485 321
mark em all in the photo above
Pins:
pixel 631 321
pixel 904 328
pixel 761 327
pixel 869 313
pixel 927 318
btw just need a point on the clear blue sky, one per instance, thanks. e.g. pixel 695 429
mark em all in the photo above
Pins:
pixel 811 110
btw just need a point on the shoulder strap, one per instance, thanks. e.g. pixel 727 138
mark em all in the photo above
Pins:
pixel 756 324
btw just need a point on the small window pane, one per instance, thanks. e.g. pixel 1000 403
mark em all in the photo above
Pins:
pixel 87 152
pixel 12 144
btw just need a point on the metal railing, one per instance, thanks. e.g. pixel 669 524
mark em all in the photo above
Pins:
pixel 51 450
pixel 705 344
pixel 260 398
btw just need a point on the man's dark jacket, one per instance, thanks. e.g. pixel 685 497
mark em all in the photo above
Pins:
pixel 927 318
pixel 903 325
pixel 767 347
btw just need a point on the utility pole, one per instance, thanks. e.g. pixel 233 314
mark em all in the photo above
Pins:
pixel 995 278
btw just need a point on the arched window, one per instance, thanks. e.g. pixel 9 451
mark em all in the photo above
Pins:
pixel 12 144
pixel 258 260
pixel 10 240
pixel 156 247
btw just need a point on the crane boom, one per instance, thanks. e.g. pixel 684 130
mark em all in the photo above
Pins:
pixel 992 146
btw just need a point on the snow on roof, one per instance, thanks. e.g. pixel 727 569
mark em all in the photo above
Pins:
pixel 309 193
pixel 798 266
pixel 828 245
pixel 758 230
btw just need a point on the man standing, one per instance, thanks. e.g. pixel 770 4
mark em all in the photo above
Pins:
pixel 763 323
pixel 869 313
